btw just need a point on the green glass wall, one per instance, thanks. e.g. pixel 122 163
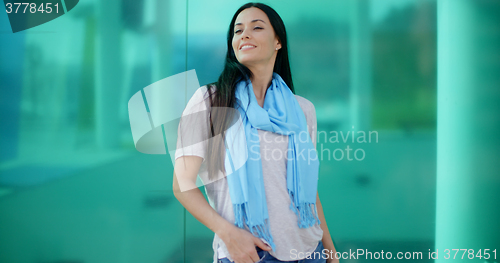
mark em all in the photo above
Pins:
pixel 406 94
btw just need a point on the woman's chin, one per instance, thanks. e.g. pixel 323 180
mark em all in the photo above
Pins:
pixel 247 62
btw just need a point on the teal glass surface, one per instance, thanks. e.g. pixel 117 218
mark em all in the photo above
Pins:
pixel 406 94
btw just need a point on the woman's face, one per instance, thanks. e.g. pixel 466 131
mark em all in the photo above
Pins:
pixel 254 40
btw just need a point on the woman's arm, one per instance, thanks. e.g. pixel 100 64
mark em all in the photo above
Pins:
pixel 239 242
pixel 327 239
pixel 185 172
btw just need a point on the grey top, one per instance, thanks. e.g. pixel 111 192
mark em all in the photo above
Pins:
pixel 283 221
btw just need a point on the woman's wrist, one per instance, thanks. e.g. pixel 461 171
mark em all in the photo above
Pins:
pixel 330 250
pixel 222 228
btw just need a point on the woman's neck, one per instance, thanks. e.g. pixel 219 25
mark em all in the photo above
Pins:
pixel 261 81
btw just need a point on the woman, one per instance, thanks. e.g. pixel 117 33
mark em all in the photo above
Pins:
pixel 268 210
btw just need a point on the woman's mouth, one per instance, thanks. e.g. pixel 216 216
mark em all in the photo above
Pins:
pixel 247 47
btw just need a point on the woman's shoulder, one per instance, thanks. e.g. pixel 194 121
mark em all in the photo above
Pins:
pixel 305 104
pixel 201 96
pixel 204 93
pixel 199 101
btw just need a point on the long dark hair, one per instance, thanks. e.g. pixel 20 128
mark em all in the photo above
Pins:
pixel 225 86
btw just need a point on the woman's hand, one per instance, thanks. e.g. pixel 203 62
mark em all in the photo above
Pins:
pixel 241 244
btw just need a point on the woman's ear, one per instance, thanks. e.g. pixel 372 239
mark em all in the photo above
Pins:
pixel 278 44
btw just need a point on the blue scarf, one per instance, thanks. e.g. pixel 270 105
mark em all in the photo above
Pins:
pixel 281 114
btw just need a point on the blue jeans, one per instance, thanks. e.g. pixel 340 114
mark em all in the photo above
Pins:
pixel 265 257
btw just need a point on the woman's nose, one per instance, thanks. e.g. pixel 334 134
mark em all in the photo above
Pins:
pixel 245 34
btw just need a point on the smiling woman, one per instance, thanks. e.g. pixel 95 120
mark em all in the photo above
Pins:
pixel 255 42
pixel 269 206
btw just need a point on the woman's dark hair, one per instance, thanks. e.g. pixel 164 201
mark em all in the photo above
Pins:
pixel 225 86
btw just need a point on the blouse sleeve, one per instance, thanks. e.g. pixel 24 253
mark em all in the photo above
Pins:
pixel 312 122
pixel 193 129
pixel 310 114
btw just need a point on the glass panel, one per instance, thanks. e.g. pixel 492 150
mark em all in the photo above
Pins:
pixel 73 188
pixel 468 128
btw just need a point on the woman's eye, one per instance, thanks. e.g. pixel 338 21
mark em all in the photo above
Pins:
pixel 237 31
